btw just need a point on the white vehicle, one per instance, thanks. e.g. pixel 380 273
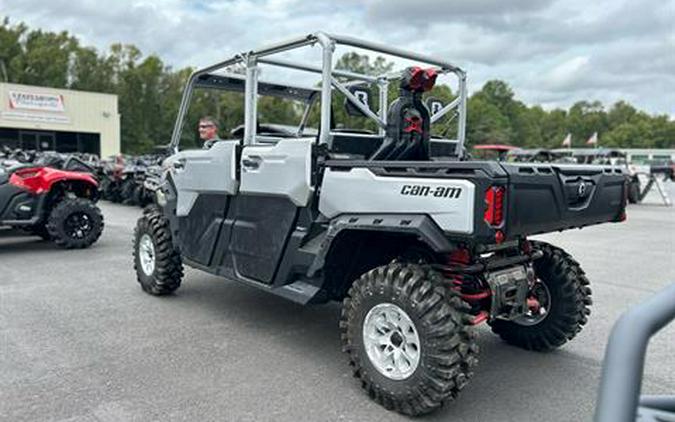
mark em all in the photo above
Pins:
pixel 418 245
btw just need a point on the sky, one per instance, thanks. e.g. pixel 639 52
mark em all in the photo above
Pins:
pixel 552 52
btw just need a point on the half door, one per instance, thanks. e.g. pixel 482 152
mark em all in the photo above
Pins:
pixel 205 182
pixel 275 184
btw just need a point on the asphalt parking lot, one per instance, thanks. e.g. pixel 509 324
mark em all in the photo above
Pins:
pixel 80 341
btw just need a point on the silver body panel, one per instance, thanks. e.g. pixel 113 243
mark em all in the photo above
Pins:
pixel 449 202
pixel 283 169
pixel 203 171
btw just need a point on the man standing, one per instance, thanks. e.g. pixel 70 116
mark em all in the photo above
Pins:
pixel 208 131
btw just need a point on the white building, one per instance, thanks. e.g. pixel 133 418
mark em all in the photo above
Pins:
pixel 639 155
pixel 39 118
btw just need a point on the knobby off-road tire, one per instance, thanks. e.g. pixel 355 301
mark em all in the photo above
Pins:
pixel 446 349
pixel 158 265
pixel 634 192
pixel 127 192
pixel 569 295
pixel 75 223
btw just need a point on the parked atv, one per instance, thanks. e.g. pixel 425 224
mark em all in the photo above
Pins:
pixel 419 248
pixel 110 174
pixel 55 204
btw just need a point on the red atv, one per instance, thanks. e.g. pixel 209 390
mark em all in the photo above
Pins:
pixel 55 204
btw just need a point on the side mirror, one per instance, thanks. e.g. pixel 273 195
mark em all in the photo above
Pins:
pixel 363 93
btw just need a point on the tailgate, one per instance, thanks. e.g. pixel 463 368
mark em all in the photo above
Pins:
pixel 550 197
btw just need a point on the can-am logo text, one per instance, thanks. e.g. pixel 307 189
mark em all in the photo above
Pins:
pixel 435 191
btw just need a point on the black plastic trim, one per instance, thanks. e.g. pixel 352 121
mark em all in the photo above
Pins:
pixel 419 225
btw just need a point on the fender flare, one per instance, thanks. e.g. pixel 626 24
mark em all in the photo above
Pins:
pixel 39 180
pixel 419 225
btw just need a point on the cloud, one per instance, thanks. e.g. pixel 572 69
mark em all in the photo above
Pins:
pixel 433 10
pixel 567 74
pixel 553 52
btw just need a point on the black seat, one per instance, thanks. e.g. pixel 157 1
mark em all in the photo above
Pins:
pixel 408 119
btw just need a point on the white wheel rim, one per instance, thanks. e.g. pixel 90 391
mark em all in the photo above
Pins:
pixel 146 254
pixel 391 341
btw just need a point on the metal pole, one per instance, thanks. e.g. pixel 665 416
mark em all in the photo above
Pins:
pixel 282 46
pixel 326 87
pixel 305 115
pixel 442 112
pixel 625 355
pixel 250 101
pixel 316 69
pixel 461 108
pixel 182 109
pixel 383 86
pixel 355 42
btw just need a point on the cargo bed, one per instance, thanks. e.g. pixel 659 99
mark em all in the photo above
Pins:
pixel 539 198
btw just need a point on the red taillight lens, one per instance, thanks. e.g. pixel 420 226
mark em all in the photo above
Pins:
pixel 494 206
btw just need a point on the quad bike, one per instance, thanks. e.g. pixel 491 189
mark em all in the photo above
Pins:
pixel 55 204
pixel 419 247
pixel 110 174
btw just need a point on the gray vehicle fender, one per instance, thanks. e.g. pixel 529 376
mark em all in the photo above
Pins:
pixel 419 225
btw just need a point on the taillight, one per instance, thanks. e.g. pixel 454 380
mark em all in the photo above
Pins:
pixel 494 206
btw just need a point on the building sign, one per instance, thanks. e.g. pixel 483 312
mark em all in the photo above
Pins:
pixel 35 117
pixel 35 101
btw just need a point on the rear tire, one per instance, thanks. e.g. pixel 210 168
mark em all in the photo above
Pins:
pixel 158 265
pixel 75 223
pixel 569 295
pixel 410 300
pixel 127 192
pixel 634 191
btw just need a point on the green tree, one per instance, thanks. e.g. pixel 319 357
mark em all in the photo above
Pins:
pixel 11 50
pixel 45 59
pixel 91 72
pixel 486 124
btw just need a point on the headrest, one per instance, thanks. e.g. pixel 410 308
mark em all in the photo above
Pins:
pixel 416 79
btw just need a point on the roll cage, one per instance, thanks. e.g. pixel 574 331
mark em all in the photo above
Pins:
pixel 212 77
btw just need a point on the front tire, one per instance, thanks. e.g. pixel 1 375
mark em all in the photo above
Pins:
pixel 158 265
pixel 408 338
pixel 75 223
pixel 566 289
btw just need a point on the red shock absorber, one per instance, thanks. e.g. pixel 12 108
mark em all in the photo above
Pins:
pixel 456 260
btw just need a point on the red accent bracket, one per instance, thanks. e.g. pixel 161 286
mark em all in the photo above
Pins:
pixel 415 125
